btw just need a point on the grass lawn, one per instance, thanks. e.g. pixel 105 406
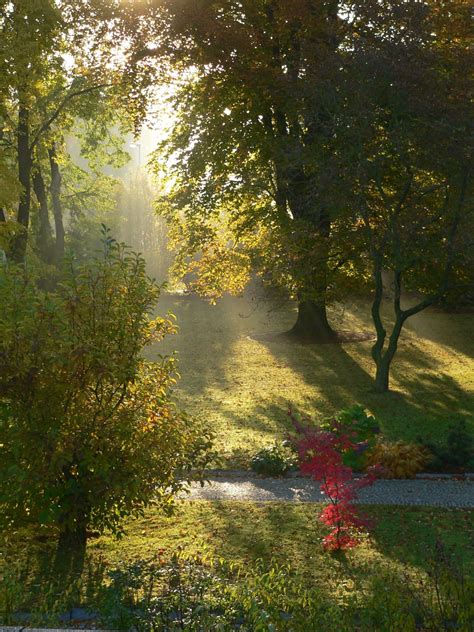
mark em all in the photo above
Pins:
pixel 242 386
pixel 288 534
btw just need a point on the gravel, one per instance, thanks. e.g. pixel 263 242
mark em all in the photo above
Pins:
pixel 418 492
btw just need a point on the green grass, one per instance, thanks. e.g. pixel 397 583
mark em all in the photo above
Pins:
pixel 243 387
pixel 401 541
pixel 291 533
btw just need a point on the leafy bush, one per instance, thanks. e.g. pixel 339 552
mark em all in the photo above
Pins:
pixel 399 459
pixel 457 452
pixel 362 430
pixel 195 594
pixel 275 460
pixel 89 431
pixel 321 455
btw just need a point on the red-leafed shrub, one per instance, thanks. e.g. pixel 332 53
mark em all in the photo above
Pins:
pixel 321 457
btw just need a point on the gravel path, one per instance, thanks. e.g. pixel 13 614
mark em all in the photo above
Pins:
pixel 431 493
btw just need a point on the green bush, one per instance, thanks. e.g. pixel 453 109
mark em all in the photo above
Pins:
pixel 89 433
pixel 360 427
pixel 275 460
pixel 195 593
pixel 457 452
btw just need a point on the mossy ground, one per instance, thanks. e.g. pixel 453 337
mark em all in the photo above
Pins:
pixel 243 386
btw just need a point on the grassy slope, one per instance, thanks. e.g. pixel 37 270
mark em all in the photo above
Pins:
pixel 243 387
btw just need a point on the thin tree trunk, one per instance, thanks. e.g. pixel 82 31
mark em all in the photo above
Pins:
pixel 383 363
pixel 45 236
pixel 382 379
pixel 3 217
pixel 56 201
pixel 24 177
pixel 383 358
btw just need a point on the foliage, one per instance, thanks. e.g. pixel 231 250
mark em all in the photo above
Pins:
pixel 251 144
pixel 406 96
pixel 89 430
pixel 57 93
pixel 275 460
pixel 399 459
pixel 360 427
pixel 196 593
pixel 457 451
pixel 8 231
pixel 321 457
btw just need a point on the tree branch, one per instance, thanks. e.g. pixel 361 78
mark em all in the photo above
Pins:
pixel 47 124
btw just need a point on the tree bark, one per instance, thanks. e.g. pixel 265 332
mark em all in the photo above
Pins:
pixel 382 379
pixel 45 236
pixel 56 201
pixel 312 323
pixel 71 551
pixel 383 357
pixel 24 177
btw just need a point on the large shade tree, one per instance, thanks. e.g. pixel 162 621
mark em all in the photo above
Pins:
pixel 250 151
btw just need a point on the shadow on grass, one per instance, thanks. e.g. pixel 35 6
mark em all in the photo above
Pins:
pixel 426 405
pixel 454 330
pixel 243 387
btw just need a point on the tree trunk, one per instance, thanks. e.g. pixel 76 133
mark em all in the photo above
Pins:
pixel 383 358
pixel 45 236
pixel 382 376
pixel 71 551
pixel 56 201
pixel 3 217
pixel 312 323
pixel 24 177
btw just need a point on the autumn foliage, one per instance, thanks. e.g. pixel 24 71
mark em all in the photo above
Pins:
pixel 321 454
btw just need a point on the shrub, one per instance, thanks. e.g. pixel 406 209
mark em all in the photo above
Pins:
pixel 362 430
pixel 399 459
pixel 195 594
pixel 275 460
pixel 321 455
pixel 457 452
pixel 89 431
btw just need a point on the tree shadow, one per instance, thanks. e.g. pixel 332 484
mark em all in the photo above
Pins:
pixel 412 535
pixel 243 387
pixel 454 330
pixel 424 403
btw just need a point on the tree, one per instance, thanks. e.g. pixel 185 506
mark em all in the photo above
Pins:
pixel 406 150
pixel 89 430
pixel 49 79
pixel 253 131
pixel 28 32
